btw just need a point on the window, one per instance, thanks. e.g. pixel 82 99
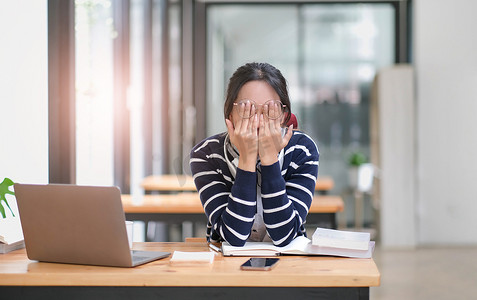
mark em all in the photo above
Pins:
pixel 94 34
pixel 329 54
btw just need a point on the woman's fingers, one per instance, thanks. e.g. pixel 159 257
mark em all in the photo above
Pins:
pixel 230 130
pixel 251 122
pixel 243 132
pixel 271 130
pixel 241 121
pixel 246 122
pixel 276 120
pixel 273 111
pixel 230 127
pixel 256 124
pixel 287 136
pixel 266 119
pixel 273 124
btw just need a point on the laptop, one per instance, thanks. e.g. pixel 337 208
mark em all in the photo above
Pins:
pixel 77 225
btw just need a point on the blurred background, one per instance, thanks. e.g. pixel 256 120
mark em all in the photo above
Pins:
pixel 107 92
pixel 119 90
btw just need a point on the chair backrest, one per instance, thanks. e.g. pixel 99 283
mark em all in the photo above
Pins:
pixel 293 121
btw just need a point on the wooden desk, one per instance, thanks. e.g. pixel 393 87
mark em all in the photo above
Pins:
pixel 323 211
pixel 324 184
pixel 185 183
pixel 295 277
pixel 178 208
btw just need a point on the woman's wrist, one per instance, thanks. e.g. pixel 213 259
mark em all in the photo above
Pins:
pixel 247 165
pixel 268 160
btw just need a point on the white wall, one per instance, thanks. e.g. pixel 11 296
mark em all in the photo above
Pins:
pixel 24 91
pixel 445 45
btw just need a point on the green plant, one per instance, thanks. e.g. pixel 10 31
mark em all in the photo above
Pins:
pixel 4 190
pixel 356 159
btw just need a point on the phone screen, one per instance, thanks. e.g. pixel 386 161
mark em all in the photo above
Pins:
pixel 259 263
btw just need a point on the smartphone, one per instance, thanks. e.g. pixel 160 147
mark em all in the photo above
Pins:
pixel 259 264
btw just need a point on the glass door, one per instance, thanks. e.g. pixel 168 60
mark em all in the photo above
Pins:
pixel 343 46
pixel 329 54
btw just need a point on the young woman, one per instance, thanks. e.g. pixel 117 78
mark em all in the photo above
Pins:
pixel 256 181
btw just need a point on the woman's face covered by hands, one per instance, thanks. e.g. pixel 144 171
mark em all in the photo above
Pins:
pixel 259 133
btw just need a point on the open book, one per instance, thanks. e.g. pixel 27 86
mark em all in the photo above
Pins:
pixel 299 246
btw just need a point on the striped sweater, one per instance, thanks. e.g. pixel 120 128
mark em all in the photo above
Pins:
pixel 229 196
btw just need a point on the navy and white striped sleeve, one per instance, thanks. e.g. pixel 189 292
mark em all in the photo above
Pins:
pixel 229 206
pixel 287 194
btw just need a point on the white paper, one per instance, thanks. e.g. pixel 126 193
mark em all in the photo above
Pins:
pixel 180 256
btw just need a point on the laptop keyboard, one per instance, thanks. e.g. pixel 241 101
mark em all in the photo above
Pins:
pixel 139 259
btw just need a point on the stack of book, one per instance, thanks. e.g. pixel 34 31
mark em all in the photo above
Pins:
pixel 343 243
pixel 324 241
pixel 11 235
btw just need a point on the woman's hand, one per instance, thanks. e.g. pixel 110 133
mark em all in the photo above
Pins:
pixel 270 140
pixel 244 136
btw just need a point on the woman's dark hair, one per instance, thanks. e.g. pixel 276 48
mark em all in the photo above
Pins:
pixel 257 71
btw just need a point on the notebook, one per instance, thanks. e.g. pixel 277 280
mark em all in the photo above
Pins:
pixel 78 225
